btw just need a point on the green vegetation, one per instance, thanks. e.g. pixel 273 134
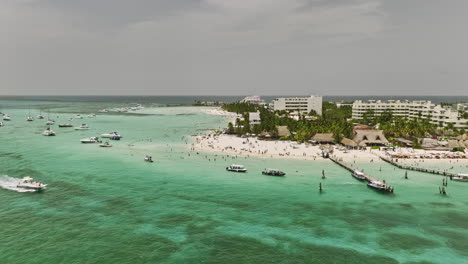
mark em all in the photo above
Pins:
pixel 336 120
pixel 333 120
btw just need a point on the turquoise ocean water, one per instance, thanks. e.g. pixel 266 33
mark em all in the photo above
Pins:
pixel 106 205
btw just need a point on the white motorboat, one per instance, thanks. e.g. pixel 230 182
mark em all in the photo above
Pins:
pixel 50 122
pixel 6 117
pixel 92 115
pixel 358 175
pixel 29 183
pixel 460 177
pixel 1 124
pixel 40 116
pixel 30 118
pixel 82 127
pixel 111 135
pixel 236 168
pixel 90 140
pixel 78 117
pixel 105 145
pixel 48 132
pixel 380 186
pixel 149 159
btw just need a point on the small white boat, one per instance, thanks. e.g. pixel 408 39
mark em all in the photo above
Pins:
pixel 29 183
pixel 6 117
pixel 82 127
pixel 236 168
pixel 50 122
pixel 358 175
pixel 1 124
pixel 111 135
pixel 380 186
pixel 105 145
pixel 78 117
pixel 30 118
pixel 460 177
pixel 92 115
pixel 149 159
pixel 90 140
pixel 48 132
pixel 70 119
pixel 65 125
pixel 103 111
pixel 40 116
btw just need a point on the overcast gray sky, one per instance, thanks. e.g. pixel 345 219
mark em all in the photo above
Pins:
pixel 233 47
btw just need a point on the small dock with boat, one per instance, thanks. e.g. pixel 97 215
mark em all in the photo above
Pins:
pixel 373 182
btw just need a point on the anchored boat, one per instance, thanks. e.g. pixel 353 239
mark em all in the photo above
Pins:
pixel 273 172
pixel 90 140
pixel 48 132
pixel 236 168
pixel 358 175
pixel 380 186
pixel 460 177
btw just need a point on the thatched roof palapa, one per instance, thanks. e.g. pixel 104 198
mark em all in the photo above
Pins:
pixel 348 142
pixel 453 144
pixel 283 131
pixel 323 138
pixel 369 137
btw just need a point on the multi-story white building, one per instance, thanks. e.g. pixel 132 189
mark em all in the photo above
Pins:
pixel 298 104
pixel 411 109
pixel 254 118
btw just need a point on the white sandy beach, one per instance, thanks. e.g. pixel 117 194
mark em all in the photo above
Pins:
pixel 230 144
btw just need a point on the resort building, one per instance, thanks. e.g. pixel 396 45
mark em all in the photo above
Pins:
pixel 437 114
pixel 254 118
pixel 298 104
pixel 254 99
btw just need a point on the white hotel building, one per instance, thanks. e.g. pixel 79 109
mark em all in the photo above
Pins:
pixel 411 109
pixel 298 104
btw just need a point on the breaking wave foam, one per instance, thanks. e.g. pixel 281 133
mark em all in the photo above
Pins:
pixel 10 183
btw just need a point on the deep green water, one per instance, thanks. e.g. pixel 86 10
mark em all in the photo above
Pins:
pixel 105 205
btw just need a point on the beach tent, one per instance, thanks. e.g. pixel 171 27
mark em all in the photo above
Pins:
pixel 323 138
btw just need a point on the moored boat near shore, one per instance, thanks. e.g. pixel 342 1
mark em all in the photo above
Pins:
pixel 236 168
pixel 273 172
pixel 460 177
pixel 358 175
pixel 380 186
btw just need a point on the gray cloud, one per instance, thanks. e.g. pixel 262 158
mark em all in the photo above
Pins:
pixel 233 47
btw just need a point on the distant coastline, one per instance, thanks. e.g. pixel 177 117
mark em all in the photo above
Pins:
pixel 191 99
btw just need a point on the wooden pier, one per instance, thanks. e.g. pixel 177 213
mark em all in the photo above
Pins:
pixel 346 166
pixel 415 168
pixel 368 178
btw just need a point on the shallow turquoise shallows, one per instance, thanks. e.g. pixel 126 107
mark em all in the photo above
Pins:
pixel 106 205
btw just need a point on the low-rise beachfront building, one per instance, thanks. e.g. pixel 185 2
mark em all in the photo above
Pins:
pixel 254 99
pixel 254 118
pixel 437 114
pixel 298 104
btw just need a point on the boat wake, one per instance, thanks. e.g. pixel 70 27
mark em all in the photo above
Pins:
pixel 10 183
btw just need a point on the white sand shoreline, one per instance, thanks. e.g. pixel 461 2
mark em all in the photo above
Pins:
pixel 253 147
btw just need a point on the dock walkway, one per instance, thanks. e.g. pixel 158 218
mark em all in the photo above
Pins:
pixel 415 168
pixel 346 166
